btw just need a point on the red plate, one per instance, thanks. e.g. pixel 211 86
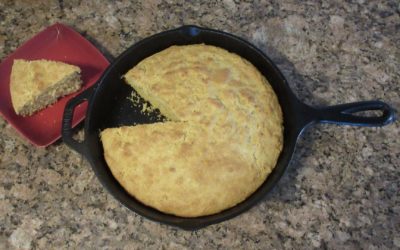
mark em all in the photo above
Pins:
pixel 61 43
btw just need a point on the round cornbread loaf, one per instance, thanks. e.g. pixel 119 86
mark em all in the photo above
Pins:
pixel 223 139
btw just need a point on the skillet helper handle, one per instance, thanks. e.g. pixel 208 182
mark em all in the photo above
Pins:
pixel 344 114
pixel 67 130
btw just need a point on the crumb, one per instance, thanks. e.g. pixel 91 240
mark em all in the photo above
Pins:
pixel 145 107
pixel 134 98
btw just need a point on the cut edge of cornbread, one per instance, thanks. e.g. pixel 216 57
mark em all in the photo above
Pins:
pixel 68 85
pixel 152 99
pixel 36 84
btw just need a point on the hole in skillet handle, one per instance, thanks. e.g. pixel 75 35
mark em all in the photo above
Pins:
pixel 67 131
pixel 346 114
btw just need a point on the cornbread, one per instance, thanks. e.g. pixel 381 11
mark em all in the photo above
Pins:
pixel 223 137
pixel 39 83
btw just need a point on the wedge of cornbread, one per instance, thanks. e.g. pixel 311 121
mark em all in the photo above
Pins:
pixel 223 139
pixel 36 84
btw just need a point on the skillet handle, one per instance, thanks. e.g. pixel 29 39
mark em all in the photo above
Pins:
pixel 344 114
pixel 67 130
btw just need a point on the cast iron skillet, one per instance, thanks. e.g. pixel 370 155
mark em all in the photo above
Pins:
pixel 109 107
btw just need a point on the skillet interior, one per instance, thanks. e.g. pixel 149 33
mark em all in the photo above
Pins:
pixel 109 107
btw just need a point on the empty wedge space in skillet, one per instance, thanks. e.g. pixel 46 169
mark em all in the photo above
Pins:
pixel 224 137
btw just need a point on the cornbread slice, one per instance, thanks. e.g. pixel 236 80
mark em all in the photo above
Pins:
pixel 224 138
pixel 172 168
pixel 39 83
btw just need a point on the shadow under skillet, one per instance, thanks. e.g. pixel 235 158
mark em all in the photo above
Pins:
pixel 285 190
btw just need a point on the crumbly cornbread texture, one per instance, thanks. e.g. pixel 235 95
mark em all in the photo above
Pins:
pixel 39 83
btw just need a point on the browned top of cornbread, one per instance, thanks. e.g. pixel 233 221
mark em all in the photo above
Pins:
pixel 228 127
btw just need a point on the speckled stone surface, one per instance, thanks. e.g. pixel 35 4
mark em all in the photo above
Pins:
pixel 341 190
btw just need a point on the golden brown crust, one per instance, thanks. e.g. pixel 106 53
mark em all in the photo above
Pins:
pixel 225 140
pixel 175 171
pixel 30 79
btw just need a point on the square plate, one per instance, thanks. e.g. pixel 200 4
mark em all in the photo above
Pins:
pixel 60 43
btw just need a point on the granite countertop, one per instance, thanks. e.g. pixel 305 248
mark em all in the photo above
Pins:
pixel 340 191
